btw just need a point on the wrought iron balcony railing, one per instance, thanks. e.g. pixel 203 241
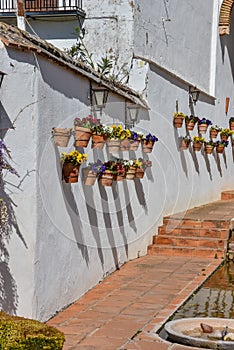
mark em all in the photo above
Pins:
pixel 7 6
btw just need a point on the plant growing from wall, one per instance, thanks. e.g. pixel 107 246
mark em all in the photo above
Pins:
pixel 106 66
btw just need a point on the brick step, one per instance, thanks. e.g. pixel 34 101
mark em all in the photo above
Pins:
pixel 218 233
pixel 225 195
pixel 180 241
pixel 185 251
pixel 173 222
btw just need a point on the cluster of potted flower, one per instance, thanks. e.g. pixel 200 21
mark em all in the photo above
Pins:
pixel 71 164
pixel 115 170
pixel 116 137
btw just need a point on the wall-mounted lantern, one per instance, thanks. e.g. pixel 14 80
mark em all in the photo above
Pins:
pixel 194 94
pixel 98 96
pixel 131 114
pixel 2 75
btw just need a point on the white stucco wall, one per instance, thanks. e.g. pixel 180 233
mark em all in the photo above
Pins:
pixel 76 235
pixel 18 101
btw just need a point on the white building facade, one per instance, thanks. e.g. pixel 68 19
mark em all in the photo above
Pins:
pixel 69 237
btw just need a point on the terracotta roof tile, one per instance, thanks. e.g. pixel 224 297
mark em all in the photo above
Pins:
pixel 12 36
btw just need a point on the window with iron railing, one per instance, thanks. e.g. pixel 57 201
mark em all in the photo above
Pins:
pixel 42 5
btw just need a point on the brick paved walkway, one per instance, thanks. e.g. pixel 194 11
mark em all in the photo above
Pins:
pixel 126 309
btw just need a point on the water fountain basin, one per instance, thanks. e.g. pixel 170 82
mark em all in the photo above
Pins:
pixel 182 331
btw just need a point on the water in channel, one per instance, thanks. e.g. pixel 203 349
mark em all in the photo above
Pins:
pixel 214 299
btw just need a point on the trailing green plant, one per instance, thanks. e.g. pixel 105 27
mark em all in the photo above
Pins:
pixel 26 334
pixel 210 143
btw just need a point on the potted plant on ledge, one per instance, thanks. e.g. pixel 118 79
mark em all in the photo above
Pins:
pixel 71 165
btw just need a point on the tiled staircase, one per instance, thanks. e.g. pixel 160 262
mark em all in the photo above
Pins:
pixel 200 232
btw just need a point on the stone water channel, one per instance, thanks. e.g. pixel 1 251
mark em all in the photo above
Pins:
pixel 214 299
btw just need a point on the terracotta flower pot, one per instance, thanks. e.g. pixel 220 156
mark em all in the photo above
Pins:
pixel 178 122
pixel 134 145
pixel 223 137
pixel 220 148
pixel 124 145
pixel 70 172
pixel 197 146
pixel 147 147
pixel 98 141
pixel 209 149
pixel 232 143
pixel 89 177
pixel 202 128
pixel 130 174
pixel 139 173
pixel 184 144
pixel 82 136
pixel 213 133
pixel 231 125
pixel 119 177
pixel 61 136
pixel 113 145
pixel 190 125
pixel 106 179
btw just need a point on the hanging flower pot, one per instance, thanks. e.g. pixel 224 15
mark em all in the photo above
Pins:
pixel 119 177
pixel 139 173
pixel 231 123
pixel 82 136
pixel 113 145
pixel 213 133
pixel 190 122
pixel 202 128
pixel 98 141
pixel 106 179
pixel 130 173
pixel 89 177
pixel 202 125
pixel 185 142
pixel 61 136
pixel 124 145
pixel 71 164
pixel 220 148
pixel 70 172
pixel 178 119
pixel 223 137
pixel 232 143
pixel 197 146
pixel 209 148
pixel 134 145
